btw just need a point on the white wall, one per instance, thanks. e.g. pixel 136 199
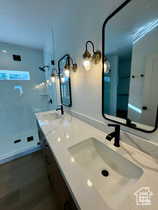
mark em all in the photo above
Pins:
pixel 17 120
pixel 144 61
pixel 76 24
pixel 52 87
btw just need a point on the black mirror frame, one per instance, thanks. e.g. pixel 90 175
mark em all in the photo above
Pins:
pixel 59 72
pixel 103 56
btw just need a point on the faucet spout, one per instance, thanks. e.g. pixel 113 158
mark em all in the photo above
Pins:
pixel 115 134
pixel 61 108
pixel 110 136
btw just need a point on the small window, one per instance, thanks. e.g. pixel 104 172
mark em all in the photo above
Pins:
pixel 14 75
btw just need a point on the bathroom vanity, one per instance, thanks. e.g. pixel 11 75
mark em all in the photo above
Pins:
pixel 62 192
pixel 77 154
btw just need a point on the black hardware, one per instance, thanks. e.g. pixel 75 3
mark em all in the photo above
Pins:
pixel 53 62
pixel 16 57
pixel 142 75
pixel 130 124
pixel 42 68
pixel 105 173
pixel 50 101
pixel 61 108
pixel 133 76
pixel 30 138
pixel 144 107
pixel 17 141
pixel 103 90
pixel 115 134
pixel 90 42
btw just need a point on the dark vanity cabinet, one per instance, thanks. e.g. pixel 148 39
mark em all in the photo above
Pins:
pixel 61 191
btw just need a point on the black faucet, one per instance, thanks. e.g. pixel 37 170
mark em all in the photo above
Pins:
pixel 61 108
pixel 115 134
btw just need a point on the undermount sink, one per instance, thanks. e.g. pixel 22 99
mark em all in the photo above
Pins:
pixel 46 117
pixel 97 159
pixel 51 116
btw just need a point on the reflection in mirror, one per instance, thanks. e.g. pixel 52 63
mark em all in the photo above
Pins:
pixel 65 65
pixel 65 90
pixel 130 66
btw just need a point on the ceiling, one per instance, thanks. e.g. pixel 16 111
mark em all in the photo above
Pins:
pixel 121 30
pixel 27 22
pixel 30 22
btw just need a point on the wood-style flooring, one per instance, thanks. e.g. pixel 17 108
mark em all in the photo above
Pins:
pixel 24 185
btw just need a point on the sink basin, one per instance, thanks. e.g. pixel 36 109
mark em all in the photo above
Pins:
pixel 51 116
pixel 95 158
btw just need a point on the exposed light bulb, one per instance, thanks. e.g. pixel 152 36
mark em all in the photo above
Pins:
pixel 62 79
pixel 106 66
pixel 67 72
pixel 87 64
pixel 87 60
pixel 53 77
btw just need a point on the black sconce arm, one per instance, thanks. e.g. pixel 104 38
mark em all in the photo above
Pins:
pixel 90 42
pixel 59 61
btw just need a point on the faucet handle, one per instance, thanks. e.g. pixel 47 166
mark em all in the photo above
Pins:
pixel 117 128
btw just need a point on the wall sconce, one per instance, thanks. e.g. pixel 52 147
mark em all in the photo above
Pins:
pixel 69 65
pixel 90 58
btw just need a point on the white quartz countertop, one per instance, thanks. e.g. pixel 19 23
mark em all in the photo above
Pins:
pixel 66 131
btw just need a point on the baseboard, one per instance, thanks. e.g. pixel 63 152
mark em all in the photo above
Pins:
pixel 17 154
